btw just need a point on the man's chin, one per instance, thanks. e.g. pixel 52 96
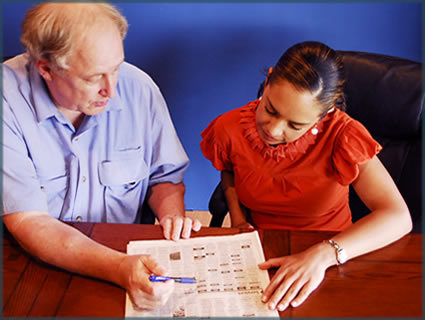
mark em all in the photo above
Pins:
pixel 92 111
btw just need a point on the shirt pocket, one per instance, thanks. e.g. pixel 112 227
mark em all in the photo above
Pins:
pixel 124 172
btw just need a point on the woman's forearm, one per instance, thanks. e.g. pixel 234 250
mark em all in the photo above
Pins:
pixel 374 231
pixel 389 219
pixel 238 214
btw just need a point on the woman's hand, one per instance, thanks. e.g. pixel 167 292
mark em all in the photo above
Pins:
pixel 144 294
pixel 298 276
pixel 175 226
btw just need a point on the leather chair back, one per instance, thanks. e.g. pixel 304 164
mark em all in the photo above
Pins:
pixel 385 94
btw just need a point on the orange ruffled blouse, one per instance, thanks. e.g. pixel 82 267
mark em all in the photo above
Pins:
pixel 301 185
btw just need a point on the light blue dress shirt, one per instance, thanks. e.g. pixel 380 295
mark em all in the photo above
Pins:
pixel 98 173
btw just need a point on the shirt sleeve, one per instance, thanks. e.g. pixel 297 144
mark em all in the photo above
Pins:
pixel 22 190
pixel 354 145
pixel 169 160
pixel 214 145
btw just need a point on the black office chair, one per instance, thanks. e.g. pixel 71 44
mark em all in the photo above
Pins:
pixel 385 94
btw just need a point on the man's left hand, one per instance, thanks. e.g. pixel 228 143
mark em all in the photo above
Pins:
pixel 175 227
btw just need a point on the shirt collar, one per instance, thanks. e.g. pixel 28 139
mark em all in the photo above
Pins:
pixel 43 104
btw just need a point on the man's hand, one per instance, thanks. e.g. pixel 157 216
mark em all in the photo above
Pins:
pixel 144 294
pixel 175 227
pixel 61 245
pixel 166 198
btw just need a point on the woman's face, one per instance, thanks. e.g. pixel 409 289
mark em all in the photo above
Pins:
pixel 284 113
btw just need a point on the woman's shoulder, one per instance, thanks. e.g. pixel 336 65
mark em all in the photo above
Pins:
pixel 231 119
pixel 343 124
pixel 353 145
pixel 234 114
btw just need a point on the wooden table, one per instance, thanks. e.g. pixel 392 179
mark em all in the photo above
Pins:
pixel 385 283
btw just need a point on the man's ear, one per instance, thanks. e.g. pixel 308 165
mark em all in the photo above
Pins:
pixel 44 69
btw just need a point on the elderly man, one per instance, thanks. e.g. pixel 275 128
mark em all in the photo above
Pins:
pixel 87 137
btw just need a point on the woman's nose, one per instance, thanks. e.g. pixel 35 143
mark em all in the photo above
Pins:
pixel 277 129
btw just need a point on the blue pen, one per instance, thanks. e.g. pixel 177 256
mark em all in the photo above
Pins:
pixel 156 278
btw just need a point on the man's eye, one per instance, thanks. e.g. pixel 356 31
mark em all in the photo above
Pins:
pixel 94 79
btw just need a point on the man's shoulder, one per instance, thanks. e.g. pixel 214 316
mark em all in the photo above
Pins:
pixel 133 74
pixel 17 61
pixel 16 68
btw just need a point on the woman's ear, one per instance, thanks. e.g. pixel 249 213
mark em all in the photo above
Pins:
pixel 269 72
pixel 44 69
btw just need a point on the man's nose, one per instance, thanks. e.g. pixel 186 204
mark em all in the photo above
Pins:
pixel 108 88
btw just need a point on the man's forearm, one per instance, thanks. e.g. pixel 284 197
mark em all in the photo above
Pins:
pixel 61 245
pixel 167 199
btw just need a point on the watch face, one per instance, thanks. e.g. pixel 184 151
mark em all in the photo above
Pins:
pixel 342 256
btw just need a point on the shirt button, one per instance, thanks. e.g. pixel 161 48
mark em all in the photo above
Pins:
pixel 79 218
pixel 76 139
pixel 84 179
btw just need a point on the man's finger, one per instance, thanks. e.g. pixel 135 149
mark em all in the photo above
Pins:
pixel 152 266
pixel 167 224
pixel 187 228
pixel 176 228
pixel 196 225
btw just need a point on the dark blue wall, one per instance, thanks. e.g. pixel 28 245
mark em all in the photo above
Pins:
pixel 209 58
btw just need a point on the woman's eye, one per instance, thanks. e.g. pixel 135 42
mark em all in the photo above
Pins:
pixel 295 127
pixel 270 111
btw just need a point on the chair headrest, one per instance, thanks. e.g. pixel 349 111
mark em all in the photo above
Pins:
pixel 384 93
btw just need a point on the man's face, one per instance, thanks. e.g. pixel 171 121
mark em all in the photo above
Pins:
pixel 90 81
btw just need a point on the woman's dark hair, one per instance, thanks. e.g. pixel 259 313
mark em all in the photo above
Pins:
pixel 315 67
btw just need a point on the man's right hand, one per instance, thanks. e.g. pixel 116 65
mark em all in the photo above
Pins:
pixel 144 294
pixel 61 245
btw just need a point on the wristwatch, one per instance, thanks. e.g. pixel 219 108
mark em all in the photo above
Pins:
pixel 341 255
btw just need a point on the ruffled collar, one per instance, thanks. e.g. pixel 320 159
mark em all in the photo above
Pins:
pixel 289 150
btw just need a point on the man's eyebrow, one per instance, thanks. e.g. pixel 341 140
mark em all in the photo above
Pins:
pixel 100 73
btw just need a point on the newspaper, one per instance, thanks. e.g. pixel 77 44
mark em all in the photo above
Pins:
pixel 229 282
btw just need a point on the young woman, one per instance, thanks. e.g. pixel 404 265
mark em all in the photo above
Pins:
pixel 287 160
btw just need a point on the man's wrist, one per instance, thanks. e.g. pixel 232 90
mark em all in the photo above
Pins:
pixel 171 216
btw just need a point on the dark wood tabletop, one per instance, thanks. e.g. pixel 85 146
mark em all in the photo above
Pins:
pixel 384 283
